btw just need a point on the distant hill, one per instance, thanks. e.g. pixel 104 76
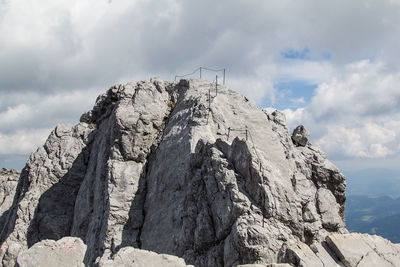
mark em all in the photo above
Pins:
pixel 374 215
pixel 373 182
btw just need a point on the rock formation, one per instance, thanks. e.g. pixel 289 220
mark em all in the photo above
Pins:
pixel 66 252
pixel 300 136
pixel 348 250
pixel 8 186
pixel 177 168
pixel 70 252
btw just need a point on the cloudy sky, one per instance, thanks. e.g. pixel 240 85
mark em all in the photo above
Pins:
pixel 331 66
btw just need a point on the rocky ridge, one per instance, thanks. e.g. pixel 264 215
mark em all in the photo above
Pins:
pixel 178 168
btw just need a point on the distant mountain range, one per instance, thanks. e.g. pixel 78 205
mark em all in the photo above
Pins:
pixel 373 202
pixel 373 183
pixel 374 215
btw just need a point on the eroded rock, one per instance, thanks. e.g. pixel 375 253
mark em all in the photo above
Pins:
pixel 169 168
pixel 300 136
pixel 133 257
pixel 66 252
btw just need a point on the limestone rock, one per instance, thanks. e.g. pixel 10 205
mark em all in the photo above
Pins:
pixel 348 250
pixel 8 186
pixel 364 250
pixel 300 136
pixel 132 257
pixel 302 255
pixel 66 252
pixel 168 167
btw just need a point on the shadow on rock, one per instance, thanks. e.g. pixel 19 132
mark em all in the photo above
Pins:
pixel 55 211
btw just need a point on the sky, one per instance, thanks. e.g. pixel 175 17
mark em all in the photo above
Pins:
pixel 333 66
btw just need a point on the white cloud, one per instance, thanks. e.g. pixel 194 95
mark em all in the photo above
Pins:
pixel 258 85
pixel 356 114
pixel 314 72
pixel 23 141
pixel 299 100
pixel 25 125
pixel 370 141
pixel 44 111
pixel 54 53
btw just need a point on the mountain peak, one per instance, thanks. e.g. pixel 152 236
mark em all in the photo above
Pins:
pixel 188 168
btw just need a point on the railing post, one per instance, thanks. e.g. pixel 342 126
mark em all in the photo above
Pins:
pixel 209 98
pixel 224 77
pixel 200 72
pixel 246 134
pixel 229 131
pixel 216 84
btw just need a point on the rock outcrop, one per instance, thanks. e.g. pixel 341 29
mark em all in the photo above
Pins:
pixel 348 250
pixel 176 168
pixel 8 186
pixel 133 257
pixel 300 136
pixel 66 252
pixel 70 252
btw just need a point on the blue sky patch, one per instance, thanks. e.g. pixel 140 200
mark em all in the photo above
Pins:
pixel 326 55
pixel 291 94
pixel 296 54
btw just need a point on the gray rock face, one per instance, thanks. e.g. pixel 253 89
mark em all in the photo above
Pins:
pixel 364 250
pixel 171 168
pixel 300 136
pixel 8 186
pixel 349 250
pixel 66 252
pixel 70 252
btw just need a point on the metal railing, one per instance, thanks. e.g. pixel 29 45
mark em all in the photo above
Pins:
pixel 248 134
pixel 200 71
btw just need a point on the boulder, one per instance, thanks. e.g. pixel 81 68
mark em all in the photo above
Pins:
pixel 348 250
pixel 66 252
pixel 364 250
pixel 132 257
pixel 300 136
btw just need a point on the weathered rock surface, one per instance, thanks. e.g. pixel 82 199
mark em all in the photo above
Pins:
pixel 175 169
pixel 70 252
pixel 8 186
pixel 133 257
pixel 349 250
pixel 66 252
pixel 364 250
pixel 300 136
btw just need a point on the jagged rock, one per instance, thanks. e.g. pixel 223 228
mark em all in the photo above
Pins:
pixel 66 252
pixel 70 251
pixel 348 250
pixel 8 186
pixel 364 250
pixel 300 136
pixel 301 255
pixel 169 168
pixel 133 257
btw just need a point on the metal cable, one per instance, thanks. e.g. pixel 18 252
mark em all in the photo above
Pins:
pixel 181 76
pixel 246 130
pixel 212 69
pixel 200 69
